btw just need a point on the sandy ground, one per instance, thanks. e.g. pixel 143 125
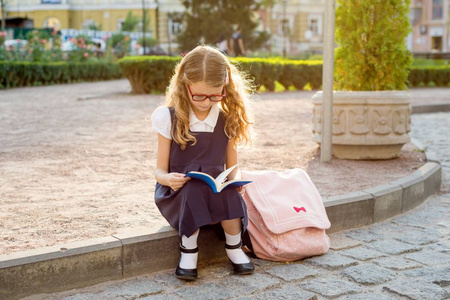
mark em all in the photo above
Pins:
pixel 77 161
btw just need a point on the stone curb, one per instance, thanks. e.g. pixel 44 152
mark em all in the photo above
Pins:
pixel 89 262
pixel 430 108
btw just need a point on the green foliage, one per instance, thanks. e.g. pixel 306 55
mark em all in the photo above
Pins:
pixel 84 38
pixel 116 38
pixel 2 37
pixel 207 20
pixel 149 42
pixel 120 43
pixel 424 62
pixel 299 73
pixel 83 51
pixel 37 34
pixel 131 22
pixel 147 19
pixel 372 53
pixel 429 76
pixel 95 26
pixel 150 74
pixel 17 74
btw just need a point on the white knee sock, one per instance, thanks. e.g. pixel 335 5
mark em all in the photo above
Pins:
pixel 237 256
pixel 189 260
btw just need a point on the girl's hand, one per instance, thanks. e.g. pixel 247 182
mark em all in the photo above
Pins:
pixel 241 190
pixel 176 180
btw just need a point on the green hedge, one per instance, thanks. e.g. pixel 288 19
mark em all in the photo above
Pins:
pixel 295 73
pixel 148 74
pixel 17 74
pixel 430 75
pixel 151 74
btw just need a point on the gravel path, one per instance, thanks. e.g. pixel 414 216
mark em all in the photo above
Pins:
pixel 77 161
pixel 407 257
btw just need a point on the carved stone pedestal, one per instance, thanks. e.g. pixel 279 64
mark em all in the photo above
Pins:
pixel 366 125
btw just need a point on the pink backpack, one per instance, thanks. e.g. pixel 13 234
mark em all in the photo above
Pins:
pixel 287 219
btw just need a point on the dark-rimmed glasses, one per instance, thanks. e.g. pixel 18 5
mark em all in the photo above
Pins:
pixel 212 98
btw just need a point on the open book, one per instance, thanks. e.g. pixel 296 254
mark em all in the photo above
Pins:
pixel 218 184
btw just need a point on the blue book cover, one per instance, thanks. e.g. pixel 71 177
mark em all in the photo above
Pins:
pixel 218 184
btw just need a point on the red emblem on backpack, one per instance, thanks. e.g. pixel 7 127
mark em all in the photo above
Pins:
pixel 298 209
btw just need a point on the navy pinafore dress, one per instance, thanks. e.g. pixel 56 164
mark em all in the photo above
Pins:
pixel 195 204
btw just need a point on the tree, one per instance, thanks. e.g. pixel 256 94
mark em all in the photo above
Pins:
pixel 130 22
pixel 3 4
pixel 372 53
pixel 147 19
pixel 207 20
pixel 95 26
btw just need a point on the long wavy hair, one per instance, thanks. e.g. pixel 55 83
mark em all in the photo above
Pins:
pixel 207 64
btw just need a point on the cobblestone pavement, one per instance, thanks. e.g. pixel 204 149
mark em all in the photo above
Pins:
pixel 407 257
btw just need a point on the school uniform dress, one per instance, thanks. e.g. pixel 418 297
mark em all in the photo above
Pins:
pixel 195 204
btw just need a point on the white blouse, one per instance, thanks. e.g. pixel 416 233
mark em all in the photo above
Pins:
pixel 162 123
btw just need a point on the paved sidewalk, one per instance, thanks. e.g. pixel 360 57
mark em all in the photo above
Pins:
pixel 407 257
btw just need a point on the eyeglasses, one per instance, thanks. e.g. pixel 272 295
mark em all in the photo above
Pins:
pixel 212 98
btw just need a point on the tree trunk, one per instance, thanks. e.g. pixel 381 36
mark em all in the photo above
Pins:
pixel 2 3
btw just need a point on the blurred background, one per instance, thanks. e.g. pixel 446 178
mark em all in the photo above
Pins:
pixel 77 30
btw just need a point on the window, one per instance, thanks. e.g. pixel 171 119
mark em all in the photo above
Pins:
pixel 436 43
pixel 314 26
pixel 119 24
pixel 176 27
pixel 437 9
pixel 88 23
pixel 423 30
pixel 415 15
pixel 174 23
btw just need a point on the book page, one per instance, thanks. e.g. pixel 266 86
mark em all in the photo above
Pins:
pixel 235 183
pixel 221 178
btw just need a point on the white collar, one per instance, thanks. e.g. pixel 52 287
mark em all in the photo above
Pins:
pixel 210 120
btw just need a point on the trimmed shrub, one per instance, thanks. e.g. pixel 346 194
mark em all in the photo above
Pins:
pixel 423 76
pixel 299 73
pixel 372 53
pixel 151 74
pixel 264 71
pixel 17 74
pixel 148 74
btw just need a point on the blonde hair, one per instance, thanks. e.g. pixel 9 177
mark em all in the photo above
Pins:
pixel 207 64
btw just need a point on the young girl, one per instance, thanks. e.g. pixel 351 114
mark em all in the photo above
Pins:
pixel 204 119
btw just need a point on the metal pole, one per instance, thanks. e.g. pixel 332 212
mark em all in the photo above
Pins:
pixel 143 25
pixel 445 23
pixel 3 4
pixel 284 28
pixel 169 32
pixel 327 83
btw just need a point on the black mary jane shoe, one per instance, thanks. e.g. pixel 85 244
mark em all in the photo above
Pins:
pixel 241 269
pixel 186 274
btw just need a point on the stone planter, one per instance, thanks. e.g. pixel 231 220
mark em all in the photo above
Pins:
pixel 366 125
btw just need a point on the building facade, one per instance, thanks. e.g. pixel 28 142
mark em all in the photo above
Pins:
pixel 169 23
pixel 295 25
pixel 108 15
pixel 430 26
